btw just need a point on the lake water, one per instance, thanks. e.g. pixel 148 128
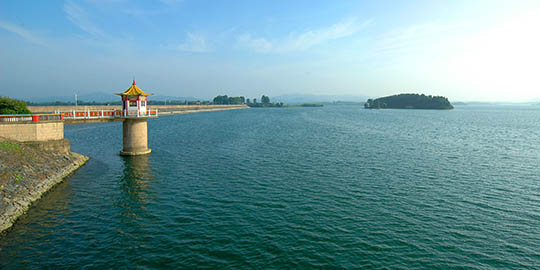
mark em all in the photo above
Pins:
pixel 299 188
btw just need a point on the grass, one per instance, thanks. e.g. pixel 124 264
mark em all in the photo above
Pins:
pixel 18 178
pixel 20 162
pixel 9 147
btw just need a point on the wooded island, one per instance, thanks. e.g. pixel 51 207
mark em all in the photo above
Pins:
pixel 410 101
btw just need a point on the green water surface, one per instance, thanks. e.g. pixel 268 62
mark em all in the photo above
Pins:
pixel 336 187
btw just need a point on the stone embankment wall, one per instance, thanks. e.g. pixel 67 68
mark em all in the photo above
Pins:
pixel 32 131
pixel 49 136
pixel 26 173
pixel 61 146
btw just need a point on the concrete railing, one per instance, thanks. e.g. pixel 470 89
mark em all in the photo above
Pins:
pixel 103 114
pixel 90 114
pixel 30 117
pixel 73 114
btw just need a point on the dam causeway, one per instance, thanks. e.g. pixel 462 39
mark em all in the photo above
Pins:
pixel 43 131
pixel 46 130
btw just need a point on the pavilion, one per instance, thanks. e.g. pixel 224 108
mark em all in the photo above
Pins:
pixel 134 102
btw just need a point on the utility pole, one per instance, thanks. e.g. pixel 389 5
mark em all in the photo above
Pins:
pixel 75 99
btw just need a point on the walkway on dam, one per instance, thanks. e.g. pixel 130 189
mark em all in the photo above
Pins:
pixel 89 114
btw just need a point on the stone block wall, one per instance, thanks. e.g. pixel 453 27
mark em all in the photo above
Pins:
pixel 135 137
pixel 59 146
pixel 32 131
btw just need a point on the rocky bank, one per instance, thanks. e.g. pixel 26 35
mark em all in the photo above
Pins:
pixel 28 172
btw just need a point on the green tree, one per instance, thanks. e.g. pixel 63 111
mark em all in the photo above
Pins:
pixel 229 100
pixel 221 99
pixel 12 106
pixel 265 99
pixel 236 100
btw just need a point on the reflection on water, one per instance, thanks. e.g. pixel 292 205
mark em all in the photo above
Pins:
pixel 134 203
pixel 134 183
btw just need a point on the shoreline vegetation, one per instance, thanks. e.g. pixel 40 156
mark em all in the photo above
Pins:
pixel 265 102
pixel 410 101
pixel 12 106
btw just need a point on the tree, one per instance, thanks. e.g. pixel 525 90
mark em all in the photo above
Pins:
pixel 255 100
pixel 221 100
pixel 236 100
pixel 247 101
pixel 265 99
pixel 12 106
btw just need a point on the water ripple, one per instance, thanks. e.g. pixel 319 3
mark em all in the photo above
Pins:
pixel 333 187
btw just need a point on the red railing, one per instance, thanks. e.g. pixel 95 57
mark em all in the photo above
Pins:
pixel 87 114
pixel 97 114
pixel 31 117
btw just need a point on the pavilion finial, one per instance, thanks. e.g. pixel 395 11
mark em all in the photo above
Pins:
pixel 134 82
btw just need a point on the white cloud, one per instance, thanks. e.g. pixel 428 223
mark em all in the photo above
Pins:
pixel 259 45
pixel 303 41
pixel 195 43
pixel 22 33
pixel 78 16
pixel 411 37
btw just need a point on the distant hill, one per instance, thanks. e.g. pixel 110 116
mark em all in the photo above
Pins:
pixel 476 103
pixel 96 96
pixel 494 103
pixel 169 98
pixel 308 98
pixel 286 99
pixel 410 101
pixel 102 97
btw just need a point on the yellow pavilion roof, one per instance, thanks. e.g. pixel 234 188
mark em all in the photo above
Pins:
pixel 134 91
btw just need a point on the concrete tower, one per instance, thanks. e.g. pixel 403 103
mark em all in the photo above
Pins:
pixel 135 128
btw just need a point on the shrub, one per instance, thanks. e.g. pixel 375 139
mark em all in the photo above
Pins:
pixel 12 106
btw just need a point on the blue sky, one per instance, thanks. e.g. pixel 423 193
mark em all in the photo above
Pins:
pixel 466 50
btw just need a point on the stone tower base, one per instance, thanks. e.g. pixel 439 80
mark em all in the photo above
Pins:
pixel 135 137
